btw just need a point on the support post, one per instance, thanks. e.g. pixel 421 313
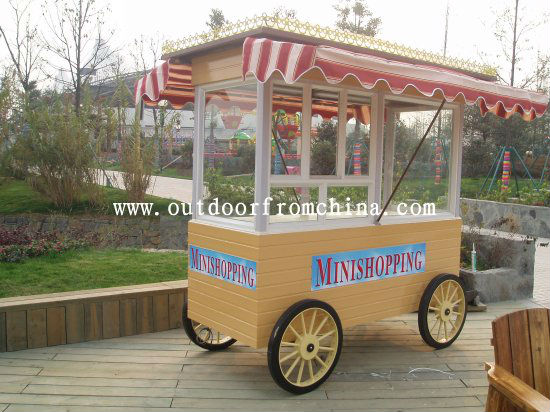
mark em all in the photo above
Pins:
pixel 198 150
pixel 455 166
pixel 389 154
pixel 376 149
pixel 263 153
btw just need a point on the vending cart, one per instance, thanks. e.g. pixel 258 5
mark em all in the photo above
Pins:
pixel 342 206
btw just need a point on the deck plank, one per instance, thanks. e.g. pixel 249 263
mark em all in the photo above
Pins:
pixel 385 366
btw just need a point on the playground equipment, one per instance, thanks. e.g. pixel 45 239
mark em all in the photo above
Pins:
pixel 291 283
pixel 505 159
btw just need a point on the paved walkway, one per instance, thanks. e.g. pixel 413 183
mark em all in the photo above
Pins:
pixel 385 366
pixel 168 187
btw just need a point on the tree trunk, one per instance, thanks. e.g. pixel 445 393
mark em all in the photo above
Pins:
pixel 514 44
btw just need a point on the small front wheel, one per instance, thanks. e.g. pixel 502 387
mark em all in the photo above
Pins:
pixel 304 346
pixel 442 311
pixel 204 336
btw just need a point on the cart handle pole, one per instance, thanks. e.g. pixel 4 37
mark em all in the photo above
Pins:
pixel 410 161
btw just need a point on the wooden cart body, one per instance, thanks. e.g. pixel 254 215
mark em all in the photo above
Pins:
pixel 284 270
pixel 284 260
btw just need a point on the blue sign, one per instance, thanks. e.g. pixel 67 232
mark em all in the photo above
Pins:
pixel 232 269
pixel 348 268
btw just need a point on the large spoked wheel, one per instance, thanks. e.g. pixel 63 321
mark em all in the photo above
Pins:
pixel 442 311
pixel 204 336
pixel 305 346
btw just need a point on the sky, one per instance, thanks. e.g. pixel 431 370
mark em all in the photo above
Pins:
pixel 418 23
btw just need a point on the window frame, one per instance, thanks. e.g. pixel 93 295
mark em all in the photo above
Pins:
pixel 264 180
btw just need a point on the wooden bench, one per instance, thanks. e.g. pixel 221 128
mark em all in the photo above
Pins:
pixel 519 379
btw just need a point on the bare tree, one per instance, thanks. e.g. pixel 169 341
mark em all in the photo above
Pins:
pixel 511 30
pixel 79 40
pixel 23 48
pixel 356 16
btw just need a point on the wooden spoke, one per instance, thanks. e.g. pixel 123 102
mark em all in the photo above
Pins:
pixel 289 371
pixel 326 335
pixel 445 329
pixel 199 325
pixel 327 348
pixel 291 344
pixel 318 359
pixel 439 330
pixel 294 331
pixel 312 324
pixel 437 320
pixel 433 308
pixel 456 302
pixel 455 289
pixel 321 325
pixel 300 371
pixel 310 369
pixel 289 356
pixel 303 320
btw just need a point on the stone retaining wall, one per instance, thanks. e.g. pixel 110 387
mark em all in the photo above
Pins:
pixel 163 232
pixel 527 220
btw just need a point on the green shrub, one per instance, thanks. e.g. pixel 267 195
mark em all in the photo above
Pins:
pixel 57 152
pixel 136 163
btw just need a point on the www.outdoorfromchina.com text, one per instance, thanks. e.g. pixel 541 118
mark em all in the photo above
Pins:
pixel 267 208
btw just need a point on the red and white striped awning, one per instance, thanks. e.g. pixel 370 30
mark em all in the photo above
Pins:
pixel 263 57
pixel 169 81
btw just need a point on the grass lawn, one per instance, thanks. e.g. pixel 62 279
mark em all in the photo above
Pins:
pixel 176 173
pixel 16 196
pixel 89 269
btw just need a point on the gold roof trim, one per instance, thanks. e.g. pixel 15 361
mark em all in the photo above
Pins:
pixel 324 33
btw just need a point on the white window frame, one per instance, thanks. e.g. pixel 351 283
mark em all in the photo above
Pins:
pixel 264 180
pixel 198 154
pixel 455 167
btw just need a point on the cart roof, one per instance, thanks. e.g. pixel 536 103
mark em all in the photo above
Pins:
pixel 292 30
pixel 265 54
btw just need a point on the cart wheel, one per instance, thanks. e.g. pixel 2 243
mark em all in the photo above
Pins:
pixel 204 336
pixel 442 311
pixel 304 346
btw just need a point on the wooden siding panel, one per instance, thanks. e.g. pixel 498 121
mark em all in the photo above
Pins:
pixel 217 66
pixel 36 328
pixel 93 321
pixel 128 314
pixel 145 314
pixel 57 334
pixel 16 330
pixel 75 322
pixel 175 302
pixel 111 319
pixel 160 313
pixel 2 332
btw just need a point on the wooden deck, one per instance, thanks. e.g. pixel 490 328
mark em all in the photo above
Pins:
pixel 385 366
